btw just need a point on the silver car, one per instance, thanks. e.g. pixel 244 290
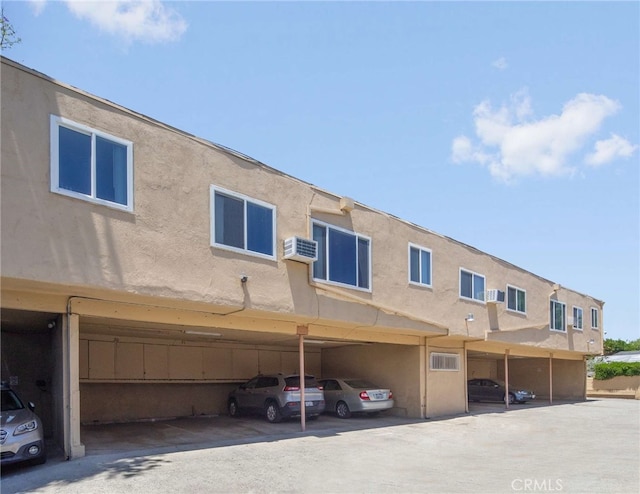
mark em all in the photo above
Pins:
pixel 277 396
pixel 21 436
pixel 347 396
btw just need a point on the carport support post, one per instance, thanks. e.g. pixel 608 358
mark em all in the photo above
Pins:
pixel 506 378
pixel 72 445
pixel 302 330
pixel 550 378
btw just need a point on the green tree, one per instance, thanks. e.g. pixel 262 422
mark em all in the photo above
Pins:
pixel 615 346
pixel 8 36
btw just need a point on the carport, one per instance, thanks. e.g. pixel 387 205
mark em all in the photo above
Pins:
pixel 549 374
pixel 119 362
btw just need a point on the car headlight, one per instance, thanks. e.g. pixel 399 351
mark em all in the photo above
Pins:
pixel 30 426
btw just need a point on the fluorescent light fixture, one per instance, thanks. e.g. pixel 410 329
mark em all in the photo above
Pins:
pixel 203 333
pixel 315 342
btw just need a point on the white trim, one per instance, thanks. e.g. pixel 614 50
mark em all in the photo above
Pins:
pixel 328 255
pixel 460 270
pixel 516 311
pixel 55 122
pixel 420 250
pixel 565 316
pixel 573 314
pixel 245 199
pixel 597 326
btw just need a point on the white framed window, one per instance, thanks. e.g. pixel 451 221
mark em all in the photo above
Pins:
pixel 344 257
pixel 242 224
pixel 91 165
pixel 595 319
pixel 419 265
pixel 516 299
pixel 444 361
pixel 577 318
pixel 557 316
pixel 471 285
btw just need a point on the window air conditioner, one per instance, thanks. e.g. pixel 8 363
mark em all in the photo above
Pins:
pixel 301 250
pixel 495 296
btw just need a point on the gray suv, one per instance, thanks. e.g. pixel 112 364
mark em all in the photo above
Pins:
pixel 277 396
pixel 21 437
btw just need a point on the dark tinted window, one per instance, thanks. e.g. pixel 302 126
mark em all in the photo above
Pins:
pixel 309 382
pixel 10 401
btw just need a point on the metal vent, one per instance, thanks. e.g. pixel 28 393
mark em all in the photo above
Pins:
pixel 495 296
pixel 301 250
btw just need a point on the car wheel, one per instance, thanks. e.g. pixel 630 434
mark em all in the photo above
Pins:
pixel 234 411
pixel 272 412
pixel 512 398
pixel 342 410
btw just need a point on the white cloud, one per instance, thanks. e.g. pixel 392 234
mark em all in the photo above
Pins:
pixel 500 64
pixel 143 20
pixel 37 6
pixel 512 144
pixel 608 150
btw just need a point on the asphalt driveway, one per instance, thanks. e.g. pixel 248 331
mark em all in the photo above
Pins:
pixel 584 447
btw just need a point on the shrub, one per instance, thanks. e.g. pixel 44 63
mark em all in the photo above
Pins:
pixel 608 370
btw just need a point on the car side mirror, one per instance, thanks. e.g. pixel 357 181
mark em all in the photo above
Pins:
pixel 31 406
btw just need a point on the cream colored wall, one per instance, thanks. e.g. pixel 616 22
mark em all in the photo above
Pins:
pixel 130 359
pixel 445 389
pixel 394 366
pixel 162 249
pixel 569 377
pixel 482 368
pixel 126 402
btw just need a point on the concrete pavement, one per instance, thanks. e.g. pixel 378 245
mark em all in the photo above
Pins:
pixel 583 447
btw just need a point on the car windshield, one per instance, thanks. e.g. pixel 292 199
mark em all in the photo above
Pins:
pixel 294 381
pixel 360 384
pixel 10 401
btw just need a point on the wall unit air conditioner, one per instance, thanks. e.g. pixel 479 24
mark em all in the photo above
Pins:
pixel 301 250
pixel 495 296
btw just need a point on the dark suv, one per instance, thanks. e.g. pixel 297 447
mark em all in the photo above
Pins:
pixel 21 437
pixel 277 396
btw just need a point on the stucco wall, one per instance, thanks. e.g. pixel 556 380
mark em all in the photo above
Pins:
pixel 569 377
pixel 394 366
pixel 118 402
pixel 163 249
pixel 445 388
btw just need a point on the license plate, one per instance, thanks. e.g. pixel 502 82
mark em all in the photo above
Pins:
pixel 378 396
pixel 308 403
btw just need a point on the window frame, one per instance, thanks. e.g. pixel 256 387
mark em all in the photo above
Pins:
pixel 420 250
pixel 455 357
pixel 473 276
pixel 552 320
pixel 245 199
pixel 595 311
pixel 325 249
pixel 517 289
pixel 55 122
pixel 576 310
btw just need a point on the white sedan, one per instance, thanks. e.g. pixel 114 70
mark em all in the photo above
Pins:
pixel 346 396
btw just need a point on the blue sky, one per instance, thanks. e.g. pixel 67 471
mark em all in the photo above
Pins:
pixel 510 126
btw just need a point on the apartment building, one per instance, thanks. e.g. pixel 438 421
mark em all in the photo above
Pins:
pixel 146 272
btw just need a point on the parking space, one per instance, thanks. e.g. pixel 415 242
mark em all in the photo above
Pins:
pixel 587 446
pixel 199 432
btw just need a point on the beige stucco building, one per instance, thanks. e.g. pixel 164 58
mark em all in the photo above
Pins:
pixel 144 275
